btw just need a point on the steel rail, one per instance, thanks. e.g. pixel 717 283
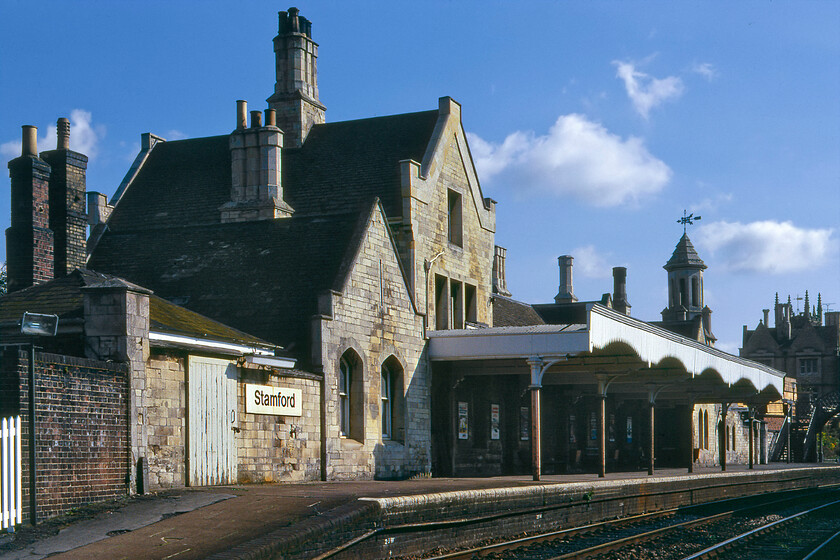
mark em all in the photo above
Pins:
pixel 813 554
pixel 715 550
pixel 618 523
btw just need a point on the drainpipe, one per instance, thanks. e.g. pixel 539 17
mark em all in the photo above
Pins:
pixel 33 501
pixel 427 266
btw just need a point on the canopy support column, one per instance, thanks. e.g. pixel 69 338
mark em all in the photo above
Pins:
pixel 536 458
pixel 752 438
pixel 538 368
pixel 724 410
pixel 789 416
pixel 690 434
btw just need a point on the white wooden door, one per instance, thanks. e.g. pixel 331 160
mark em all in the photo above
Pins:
pixel 212 416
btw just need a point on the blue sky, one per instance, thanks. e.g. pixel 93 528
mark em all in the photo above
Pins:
pixel 594 124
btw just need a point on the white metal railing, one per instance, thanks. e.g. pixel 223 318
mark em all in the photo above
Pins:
pixel 10 473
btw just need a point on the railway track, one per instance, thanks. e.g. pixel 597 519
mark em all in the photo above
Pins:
pixel 715 530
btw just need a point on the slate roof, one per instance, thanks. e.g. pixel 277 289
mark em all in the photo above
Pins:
pixel 685 256
pixel 262 277
pixel 64 297
pixel 345 163
pixel 340 166
pixel 508 312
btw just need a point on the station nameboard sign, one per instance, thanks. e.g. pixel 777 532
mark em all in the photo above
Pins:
pixel 279 401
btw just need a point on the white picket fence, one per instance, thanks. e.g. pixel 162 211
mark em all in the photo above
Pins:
pixel 10 473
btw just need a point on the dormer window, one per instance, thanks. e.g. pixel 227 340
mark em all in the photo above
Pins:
pixel 454 219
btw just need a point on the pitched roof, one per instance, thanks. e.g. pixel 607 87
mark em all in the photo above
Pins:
pixel 182 182
pixel 508 312
pixel 685 256
pixel 263 277
pixel 64 297
pixel 340 166
pixel 344 163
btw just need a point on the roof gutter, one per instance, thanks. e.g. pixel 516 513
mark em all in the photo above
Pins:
pixel 254 352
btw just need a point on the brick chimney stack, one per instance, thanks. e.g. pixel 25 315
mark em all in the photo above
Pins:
pixel 295 95
pixel 68 217
pixel 29 240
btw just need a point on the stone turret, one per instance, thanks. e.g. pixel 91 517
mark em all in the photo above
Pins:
pixel 685 283
pixel 295 95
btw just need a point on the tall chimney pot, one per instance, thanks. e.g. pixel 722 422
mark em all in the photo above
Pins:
pixel 29 146
pixel 270 117
pixel 256 119
pixel 766 317
pixel 63 132
pixel 241 114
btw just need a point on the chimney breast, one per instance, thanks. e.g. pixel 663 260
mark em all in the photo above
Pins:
pixel 29 140
pixel 63 132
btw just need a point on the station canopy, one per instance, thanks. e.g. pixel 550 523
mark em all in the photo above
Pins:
pixel 606 349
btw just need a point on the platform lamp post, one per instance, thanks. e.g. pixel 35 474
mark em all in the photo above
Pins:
pixel 34 325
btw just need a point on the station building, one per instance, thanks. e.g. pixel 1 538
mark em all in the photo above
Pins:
pixel 352 264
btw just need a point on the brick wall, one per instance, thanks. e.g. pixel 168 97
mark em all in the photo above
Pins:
pixel 81 428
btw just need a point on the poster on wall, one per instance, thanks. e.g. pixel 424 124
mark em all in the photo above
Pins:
pixel 629 429
pixel 593 427
pixel 572 428
pixel 524 424
pixel 494 421
pixel 612 427
pixel 463 421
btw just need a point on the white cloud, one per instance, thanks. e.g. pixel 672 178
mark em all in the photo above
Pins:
pixel 175 135
pixel 711 203
pixel 589 263
pixel 578 158
pixel 767 247
pixel 647 92
pixel 705 69
pixel 84 137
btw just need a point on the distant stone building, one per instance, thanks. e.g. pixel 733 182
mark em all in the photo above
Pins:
pixel 806 346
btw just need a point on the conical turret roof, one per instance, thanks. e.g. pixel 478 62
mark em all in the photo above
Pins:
pixel 685 256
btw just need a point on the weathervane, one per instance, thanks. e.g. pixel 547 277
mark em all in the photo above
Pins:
pixel 688 220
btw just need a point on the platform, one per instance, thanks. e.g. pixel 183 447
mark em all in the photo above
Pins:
pixel 258 521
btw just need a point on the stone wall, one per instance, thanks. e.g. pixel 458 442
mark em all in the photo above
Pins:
pixel 428 190
pixel 280 448
pixel 165 418
pixel 374 320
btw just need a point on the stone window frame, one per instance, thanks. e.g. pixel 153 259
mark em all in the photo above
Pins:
pixel 345 375
pixel 351 396
pixel 392 374
pixel 801 361
pixel 455 218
